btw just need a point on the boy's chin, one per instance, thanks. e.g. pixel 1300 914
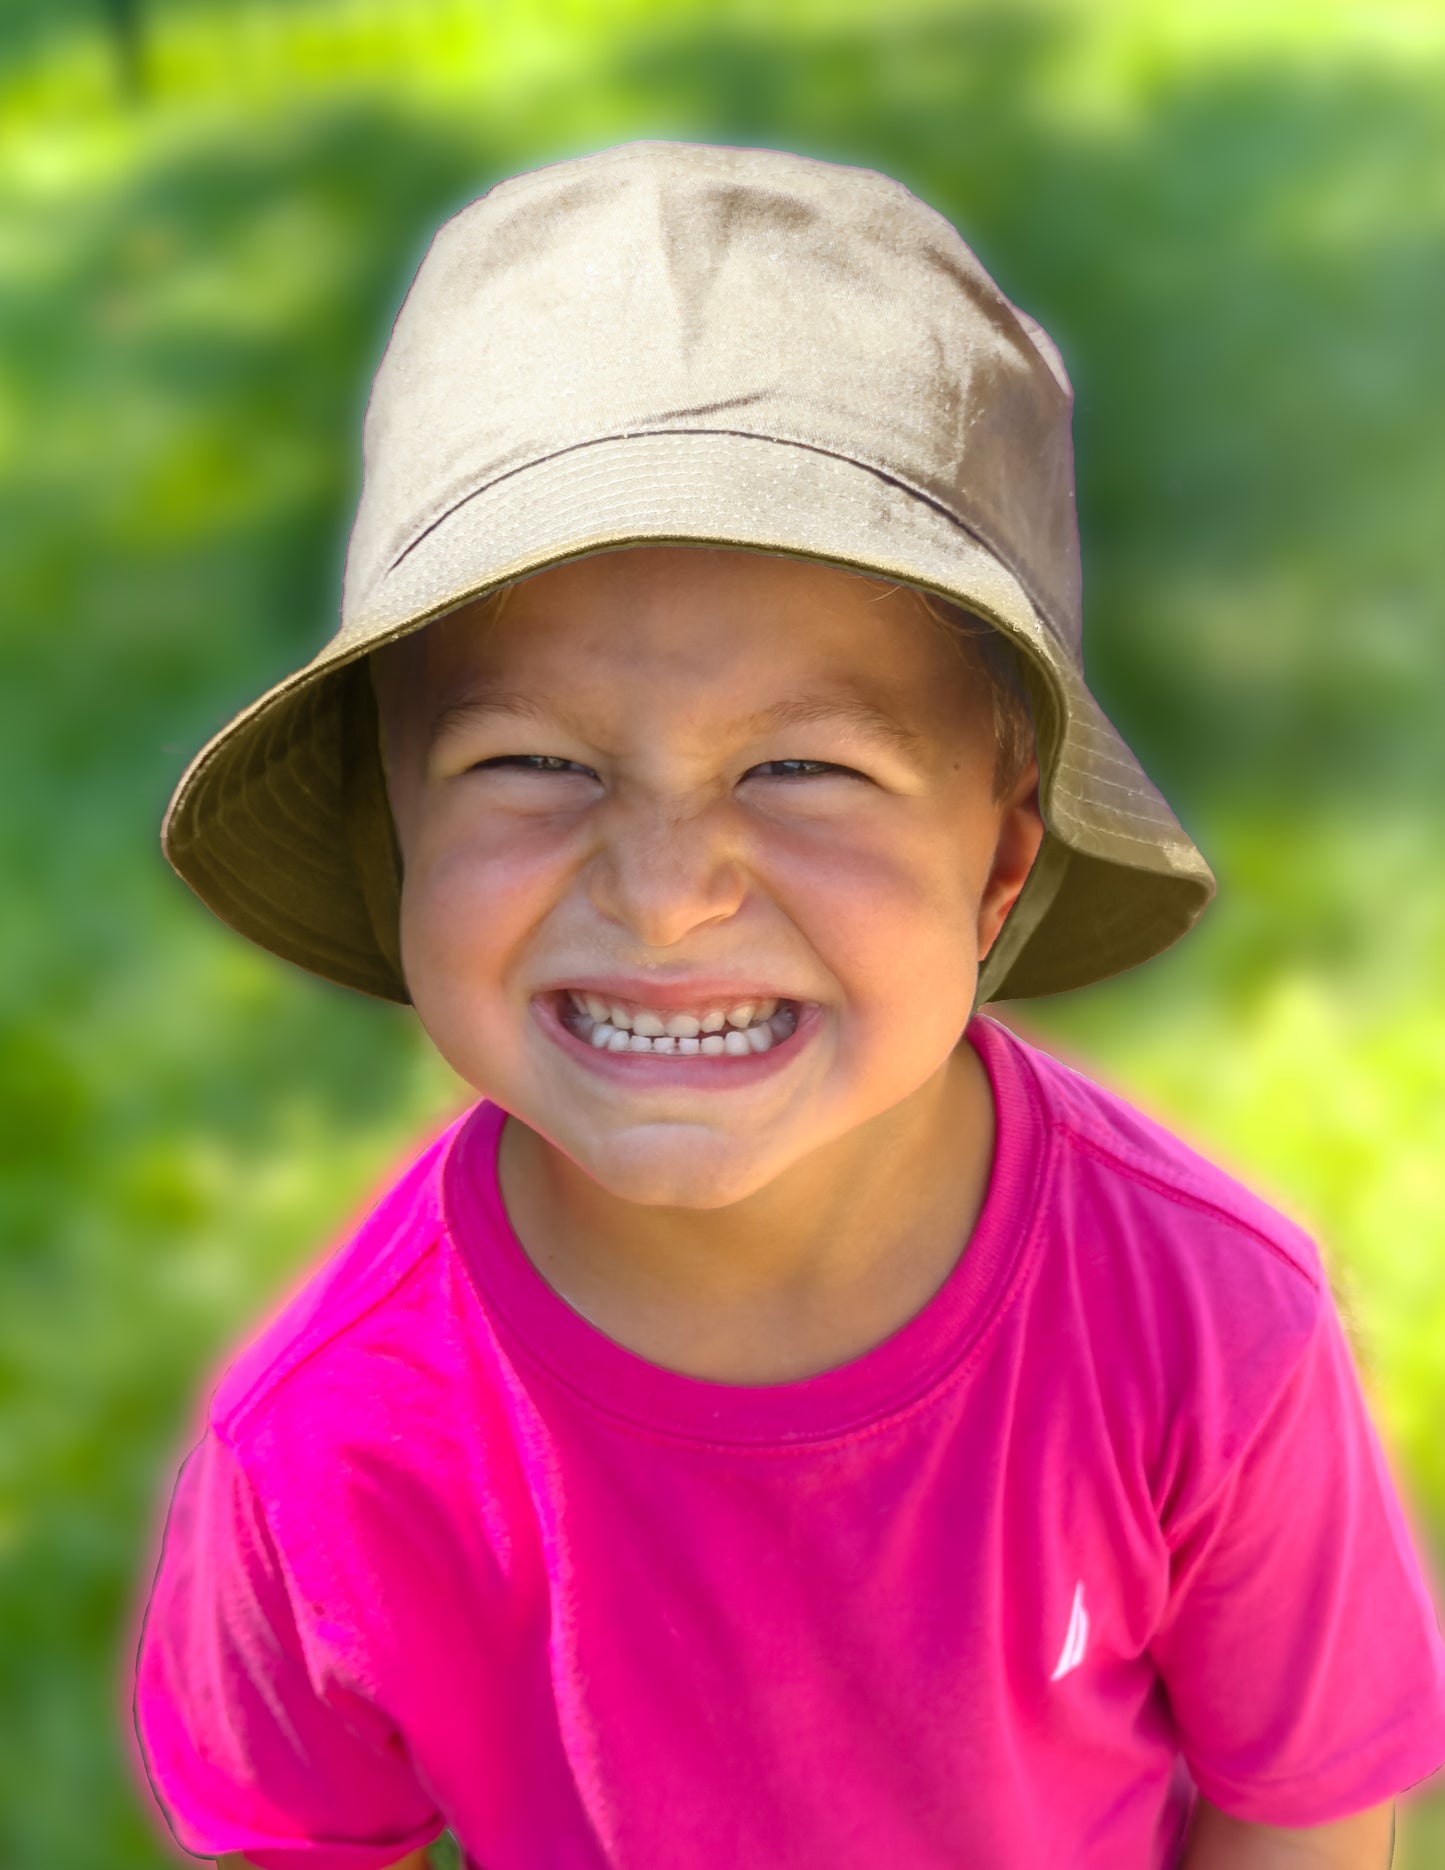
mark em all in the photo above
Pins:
pixel 661 1171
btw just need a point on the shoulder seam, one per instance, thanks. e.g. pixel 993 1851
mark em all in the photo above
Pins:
pixel 263 1387
pixel 1187 1198
pixel 421 1210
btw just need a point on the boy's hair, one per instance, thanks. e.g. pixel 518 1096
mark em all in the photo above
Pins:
pixel 1002 667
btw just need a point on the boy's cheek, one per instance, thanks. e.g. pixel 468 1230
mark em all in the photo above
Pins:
pixel 465 929
pixel 461 895
pixel 883 919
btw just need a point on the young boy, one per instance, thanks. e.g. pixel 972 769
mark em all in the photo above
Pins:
pixel 789 1421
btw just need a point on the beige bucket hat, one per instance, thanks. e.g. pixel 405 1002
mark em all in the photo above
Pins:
pixel 669 343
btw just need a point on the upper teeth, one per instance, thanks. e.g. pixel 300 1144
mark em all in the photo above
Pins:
pixel 734 1031
pixel 653 1025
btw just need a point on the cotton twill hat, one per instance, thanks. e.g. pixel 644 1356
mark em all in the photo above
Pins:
pixel 672 343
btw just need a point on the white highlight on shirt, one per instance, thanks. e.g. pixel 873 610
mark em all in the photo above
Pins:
pixel 1075 1643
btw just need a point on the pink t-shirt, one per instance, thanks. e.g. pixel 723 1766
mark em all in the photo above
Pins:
pixel 1104 1521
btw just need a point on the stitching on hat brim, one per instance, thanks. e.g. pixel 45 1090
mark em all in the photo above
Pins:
pixel 1065 629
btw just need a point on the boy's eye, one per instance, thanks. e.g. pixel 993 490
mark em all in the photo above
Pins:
pixel 535 763
pixel 800 769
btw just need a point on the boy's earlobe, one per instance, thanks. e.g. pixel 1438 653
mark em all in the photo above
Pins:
pixel 1021 835
pixel 1016 869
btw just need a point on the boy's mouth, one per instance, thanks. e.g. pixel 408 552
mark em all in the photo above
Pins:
pixel 739 1029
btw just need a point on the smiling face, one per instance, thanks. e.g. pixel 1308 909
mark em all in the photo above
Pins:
pixel 701 851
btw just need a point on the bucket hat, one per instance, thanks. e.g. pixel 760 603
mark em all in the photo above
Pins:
pixel 671 343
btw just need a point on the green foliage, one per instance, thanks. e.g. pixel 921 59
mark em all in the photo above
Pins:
pixel 1231 219
pixel 444 1854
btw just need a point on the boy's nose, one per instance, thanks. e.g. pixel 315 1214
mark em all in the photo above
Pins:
pixel 661 873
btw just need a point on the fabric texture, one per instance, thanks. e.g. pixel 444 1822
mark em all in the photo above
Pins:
pixel 673 343
pixel 1104 1522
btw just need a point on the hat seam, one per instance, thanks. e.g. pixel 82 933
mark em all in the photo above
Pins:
pixel 975 531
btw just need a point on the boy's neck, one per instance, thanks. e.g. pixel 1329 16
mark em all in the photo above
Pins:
pixel 809 1272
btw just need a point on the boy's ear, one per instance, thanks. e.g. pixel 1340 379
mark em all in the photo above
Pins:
pixel 370 829
pixel 1027 870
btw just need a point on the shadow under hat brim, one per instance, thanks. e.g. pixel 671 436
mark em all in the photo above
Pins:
pixel 280 824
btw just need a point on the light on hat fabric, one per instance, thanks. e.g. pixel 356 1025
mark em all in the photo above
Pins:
pixel 672 343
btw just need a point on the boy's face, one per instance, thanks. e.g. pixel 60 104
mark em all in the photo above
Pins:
pixel 686 782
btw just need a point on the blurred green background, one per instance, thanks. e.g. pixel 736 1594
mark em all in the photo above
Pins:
pixel 1232 218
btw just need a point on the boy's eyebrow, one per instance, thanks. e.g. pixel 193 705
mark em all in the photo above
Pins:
pixel 857 710
pixel 794 711
pixel 477 703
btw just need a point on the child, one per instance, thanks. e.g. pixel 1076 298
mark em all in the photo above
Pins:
pixel 789 1422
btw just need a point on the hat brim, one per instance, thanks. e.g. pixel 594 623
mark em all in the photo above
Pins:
pixel 262 823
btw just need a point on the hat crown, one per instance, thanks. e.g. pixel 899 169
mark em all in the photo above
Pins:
pixel 663 287
pixel 677 342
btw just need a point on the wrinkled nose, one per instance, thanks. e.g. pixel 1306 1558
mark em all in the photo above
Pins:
pixel 661 873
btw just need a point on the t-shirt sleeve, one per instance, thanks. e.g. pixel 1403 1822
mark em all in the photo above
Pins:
pixel 250 1744
pixel 1300 1648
